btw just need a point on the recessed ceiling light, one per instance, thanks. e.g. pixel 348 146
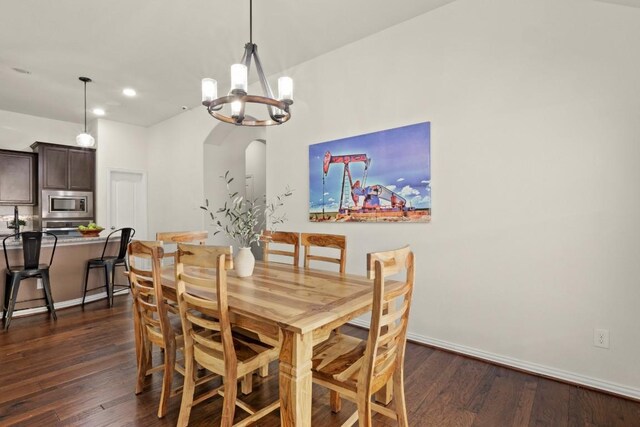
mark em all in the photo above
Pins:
pixel 21 70
pixel 98 111
pixel 128 92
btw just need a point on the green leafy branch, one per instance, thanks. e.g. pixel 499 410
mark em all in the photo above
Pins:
pixel 243 220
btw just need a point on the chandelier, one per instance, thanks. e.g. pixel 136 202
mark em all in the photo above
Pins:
pixel 85 139
pixel 278 108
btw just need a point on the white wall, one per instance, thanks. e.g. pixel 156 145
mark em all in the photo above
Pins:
pixel 535 237
pixel 118 146
pixel 179 166
pixel 176 174
pixel 18 131
pixel 256 166
pixel 226 151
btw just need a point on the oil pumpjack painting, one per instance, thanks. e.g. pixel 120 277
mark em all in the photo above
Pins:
pixel 382 176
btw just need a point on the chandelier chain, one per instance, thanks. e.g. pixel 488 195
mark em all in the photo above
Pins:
pixel 251 21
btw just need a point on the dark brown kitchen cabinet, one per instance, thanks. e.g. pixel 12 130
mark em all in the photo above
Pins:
pixel 81 169
pixel 17 178
pixel 66 168
pixel 55 167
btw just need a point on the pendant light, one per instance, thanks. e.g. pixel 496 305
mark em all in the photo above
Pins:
pixel 278 108
pixel 85 139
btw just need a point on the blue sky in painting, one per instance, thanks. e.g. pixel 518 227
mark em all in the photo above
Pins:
pixel 400 160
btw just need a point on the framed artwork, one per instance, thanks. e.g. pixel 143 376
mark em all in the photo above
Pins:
pixel 382 176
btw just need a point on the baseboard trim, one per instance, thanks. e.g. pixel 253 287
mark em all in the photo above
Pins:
pixel 521 365
pixel 66 304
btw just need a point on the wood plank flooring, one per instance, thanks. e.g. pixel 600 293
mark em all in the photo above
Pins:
pixel 80 371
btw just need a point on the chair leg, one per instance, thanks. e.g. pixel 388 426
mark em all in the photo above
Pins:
pixel 264 370
pixel 246 384
pixel 167 378
pixel 7 293
pixel 335 401
pixel 86 282
pixel 229 403
pixel 364 410
pixel 144 361
pixel 188 388
pixel 112 283
pixel 139 347
pixel 107 284
pixel 398 397
pixel 15 285
pixel 46 285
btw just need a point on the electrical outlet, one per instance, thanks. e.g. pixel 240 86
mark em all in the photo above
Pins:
pixel 601 338
pixel 38 283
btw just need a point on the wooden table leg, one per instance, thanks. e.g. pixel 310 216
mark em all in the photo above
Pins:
pixel 295 379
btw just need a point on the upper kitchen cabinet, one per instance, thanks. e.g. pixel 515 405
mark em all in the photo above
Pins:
pixel 17 178
pixel 55 167
pixel 65 168
pixel 81 169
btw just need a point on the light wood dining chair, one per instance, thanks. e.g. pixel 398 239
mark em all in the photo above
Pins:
pixel 281 238
pixel 152 325
pixel 335 241
pixel 208 338
pixel 181 237
pixel 175 237
pixel 357 369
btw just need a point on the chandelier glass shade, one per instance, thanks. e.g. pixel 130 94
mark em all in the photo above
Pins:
pixel 278 108
pixel 85 139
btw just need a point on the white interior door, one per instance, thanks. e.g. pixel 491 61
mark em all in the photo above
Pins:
pixel 128 201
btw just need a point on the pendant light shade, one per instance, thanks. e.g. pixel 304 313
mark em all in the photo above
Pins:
pixel 85 139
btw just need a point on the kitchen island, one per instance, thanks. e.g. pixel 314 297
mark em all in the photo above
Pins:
pixel 67 272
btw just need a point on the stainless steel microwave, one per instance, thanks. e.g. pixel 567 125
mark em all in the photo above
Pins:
pixel 67 204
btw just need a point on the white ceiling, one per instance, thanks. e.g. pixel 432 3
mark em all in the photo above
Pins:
pixel 630 3
pixel 162 48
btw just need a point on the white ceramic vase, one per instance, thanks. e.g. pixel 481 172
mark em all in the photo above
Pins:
pixel 244 262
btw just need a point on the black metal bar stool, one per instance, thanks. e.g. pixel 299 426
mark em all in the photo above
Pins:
pixel 31 244
pixel 109 263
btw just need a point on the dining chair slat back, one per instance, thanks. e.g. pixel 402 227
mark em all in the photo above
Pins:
pixel 147 292
pixel 181 237
pixel 367 367
pixel 387 337
pixel 190 291
pixel 204 256
pixel 212 344
pixel 281 238
pixel 335 241
pixel 151 321
pixel 394 261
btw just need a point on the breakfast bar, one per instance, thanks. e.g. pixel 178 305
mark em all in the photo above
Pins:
pixel 67 271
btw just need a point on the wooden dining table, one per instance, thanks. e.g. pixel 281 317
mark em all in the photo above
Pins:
pixel 296 305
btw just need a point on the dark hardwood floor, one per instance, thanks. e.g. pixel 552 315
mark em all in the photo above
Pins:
pixel 80 371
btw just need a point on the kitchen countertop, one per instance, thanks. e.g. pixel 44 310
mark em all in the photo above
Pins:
pixel 62 241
